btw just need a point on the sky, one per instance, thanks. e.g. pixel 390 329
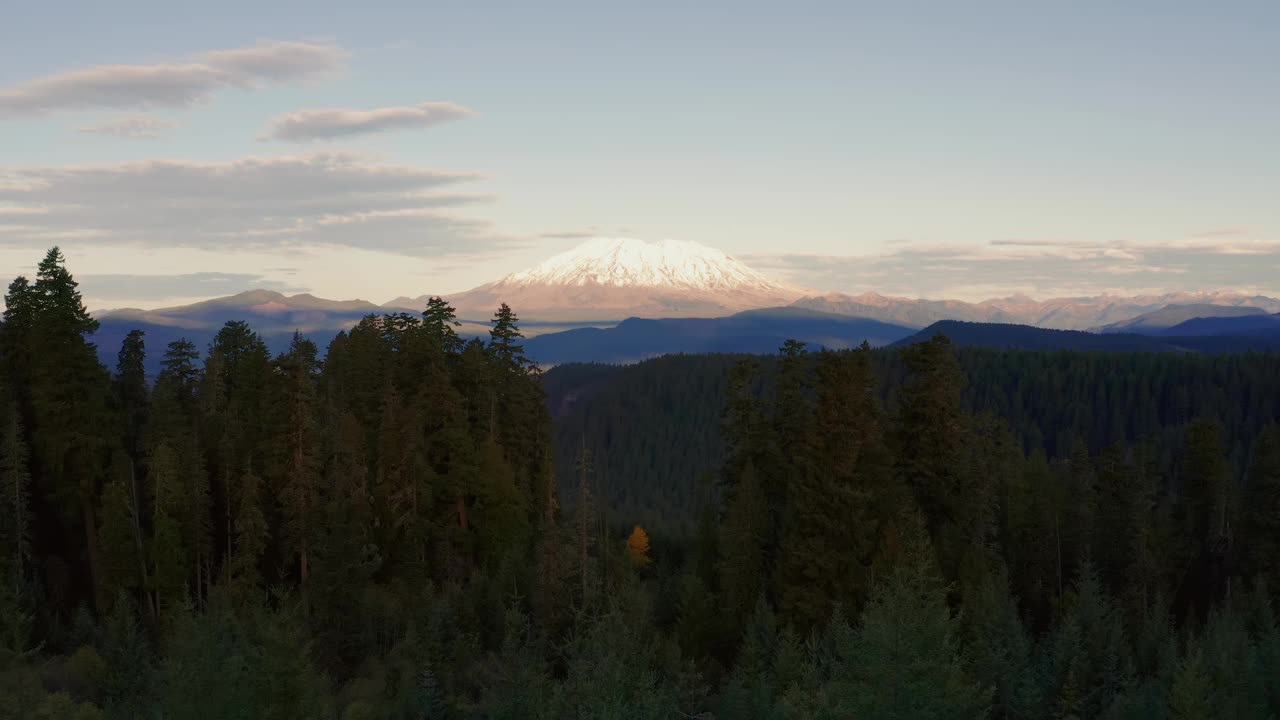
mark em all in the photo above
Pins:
pixel 178 151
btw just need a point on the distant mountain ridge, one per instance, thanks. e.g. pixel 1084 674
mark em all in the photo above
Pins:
pixel 1172 315
pixel 1027 337
pixel 750 332
pixel 1068 313
pixel 1201 321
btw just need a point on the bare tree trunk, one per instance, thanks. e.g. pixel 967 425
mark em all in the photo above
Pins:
pixel 1057 534
pixel 91 543
pixel 135 512
pixel 226 491
pixel 461 504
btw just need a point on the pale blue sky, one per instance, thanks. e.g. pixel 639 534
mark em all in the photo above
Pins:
pixel 805 137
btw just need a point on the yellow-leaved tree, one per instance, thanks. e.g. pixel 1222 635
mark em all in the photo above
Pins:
pixel 638 548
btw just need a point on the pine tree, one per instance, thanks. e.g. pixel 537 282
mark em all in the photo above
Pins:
pixel 250 535
pixel 791 404
pixel 932 430
pixel 752 688
pixel 406 477
pixel 585 523
pixel 501 518
pixel 239 417
pixel 831 532
pixel 300 478
pixel 15 502
pixel 1089 658
pixel 745 432
pixel 903 661
pixel 743 536
pixel 1116 482
pixel 1260 509
pixel 1191 697
pixel 132 392
pixel 504 340
pixel 1204 501
pixel 999 650
pixel 116 537
pixel 122 503
pixel 451 459
pixel 793 430
pixel 169 548
pixel 68 398
pixel 174 421
pixel 20 309
pixel 439 321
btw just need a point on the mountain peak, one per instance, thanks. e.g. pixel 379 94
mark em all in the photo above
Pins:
pixel 631 263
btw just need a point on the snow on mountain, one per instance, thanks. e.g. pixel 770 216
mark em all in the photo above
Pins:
pixel 609 279
pixel 623 262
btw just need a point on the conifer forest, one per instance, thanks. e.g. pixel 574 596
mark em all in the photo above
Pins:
pixel 413 524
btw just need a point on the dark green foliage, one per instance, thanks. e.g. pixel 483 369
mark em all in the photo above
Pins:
pixel 904 661
pixel 837 503
pixel 743 535
pixel 928 533
pixel 1259 535
pixel 15 503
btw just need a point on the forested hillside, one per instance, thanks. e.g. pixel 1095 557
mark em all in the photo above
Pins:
pixel 916 533
pixel 1048 401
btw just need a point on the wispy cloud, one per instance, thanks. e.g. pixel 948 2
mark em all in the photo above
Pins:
pixel 330 123
pixel 119 286
pixel 1224 232
pixel 139 126
pixel 333 199
pixel 172 84
pixel 571 234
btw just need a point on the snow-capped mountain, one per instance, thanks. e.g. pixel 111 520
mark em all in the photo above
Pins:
pixel 614 278
pixel 620 262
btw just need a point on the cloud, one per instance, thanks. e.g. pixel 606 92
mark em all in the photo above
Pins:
pixel 335 199
pixel 1223 232
pixel 132 127
pixel 1042 268
pixel 148 287
pixel 326 124
pixel 570 235
pixel 173 85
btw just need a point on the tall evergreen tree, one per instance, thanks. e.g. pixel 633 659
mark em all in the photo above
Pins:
pixel 903 661
pixel 745 432
pixel 932 429
pixel 504 339
pixel 585 523
pixel 132 391
pixel 169 547
pixel 792 426
pixel 68 399
pixel 299 450
pixel 119 533
pixel 20 309
pixel 439 321
pixel 832 530
pixel 250 536
pixel 743 536
pixel 1204 523
pixel 1260 510
pixel 15 502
